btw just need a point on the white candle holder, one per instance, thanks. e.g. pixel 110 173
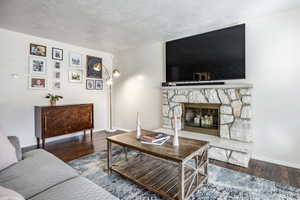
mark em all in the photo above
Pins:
pixel 175 138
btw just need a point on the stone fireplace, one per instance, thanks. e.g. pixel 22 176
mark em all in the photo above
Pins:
pixel 225 111
pixel 201 117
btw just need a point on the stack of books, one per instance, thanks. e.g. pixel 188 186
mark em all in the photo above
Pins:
pixel 155 138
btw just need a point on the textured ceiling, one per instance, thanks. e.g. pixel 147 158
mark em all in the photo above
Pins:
pixel 112 25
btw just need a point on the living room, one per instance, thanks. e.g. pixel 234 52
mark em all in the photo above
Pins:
pixel 82 83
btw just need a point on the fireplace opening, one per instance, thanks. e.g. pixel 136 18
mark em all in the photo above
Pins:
pixel 201 118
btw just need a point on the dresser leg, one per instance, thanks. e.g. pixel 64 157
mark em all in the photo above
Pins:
pixel 91 134
pixel 37 143
pixel 84 132
pixel 43 143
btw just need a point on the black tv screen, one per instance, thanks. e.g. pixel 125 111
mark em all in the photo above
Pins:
pixel 216 55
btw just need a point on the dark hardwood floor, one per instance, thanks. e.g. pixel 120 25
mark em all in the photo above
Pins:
pixel 75 147
pixel 269 171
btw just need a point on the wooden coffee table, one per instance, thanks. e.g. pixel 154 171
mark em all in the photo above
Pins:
pixel 172 172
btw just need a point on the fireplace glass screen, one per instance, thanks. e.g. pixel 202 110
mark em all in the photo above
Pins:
pixel 202 118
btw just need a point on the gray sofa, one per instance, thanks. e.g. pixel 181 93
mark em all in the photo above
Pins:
pixel 40 175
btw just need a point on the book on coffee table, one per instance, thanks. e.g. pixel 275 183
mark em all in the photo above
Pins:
pixel 155 138
pixel 160 142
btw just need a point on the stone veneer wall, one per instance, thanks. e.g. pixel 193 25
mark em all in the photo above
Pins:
pixel 235 115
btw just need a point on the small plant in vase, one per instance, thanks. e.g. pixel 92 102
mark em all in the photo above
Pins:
pixel 53 98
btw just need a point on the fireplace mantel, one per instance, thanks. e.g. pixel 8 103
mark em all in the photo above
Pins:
pixel 235 116
pixel 240 85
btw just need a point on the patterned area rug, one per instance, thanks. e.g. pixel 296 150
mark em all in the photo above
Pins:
pixel 223 184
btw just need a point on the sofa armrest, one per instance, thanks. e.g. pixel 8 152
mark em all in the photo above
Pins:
pixel 16 143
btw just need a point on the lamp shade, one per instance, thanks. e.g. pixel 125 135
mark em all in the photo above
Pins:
pixel 116 73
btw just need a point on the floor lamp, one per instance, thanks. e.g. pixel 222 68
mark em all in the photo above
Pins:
pixel 109 81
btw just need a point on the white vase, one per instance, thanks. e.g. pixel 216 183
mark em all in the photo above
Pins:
pixel 175 138
pixel 138 127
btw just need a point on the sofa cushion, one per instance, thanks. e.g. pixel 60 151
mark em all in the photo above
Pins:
pixel 7 152
pixel 75 189
pixel 38 171
pixel 16 143
pixel 7 194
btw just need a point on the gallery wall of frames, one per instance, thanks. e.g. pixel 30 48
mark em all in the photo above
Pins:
pixel 78 72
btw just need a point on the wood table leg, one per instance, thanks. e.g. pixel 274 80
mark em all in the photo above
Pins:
pixel 91 134
pixel 205 166
pixel 109 157
pixel 197 166
pixel 84 132
pixel 125 152
pixel 37 143
pixel 181 181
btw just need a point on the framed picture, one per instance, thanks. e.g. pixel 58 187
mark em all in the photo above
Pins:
pixel 57 65
pixel 57 54
pixel 99 84
pixel 56 85
pixel 75 60
pixel 57 75
pixel 37 66
pixel 90 84
pixel 38 50
pixel 75 76
pixel 91 62
pixel 38 83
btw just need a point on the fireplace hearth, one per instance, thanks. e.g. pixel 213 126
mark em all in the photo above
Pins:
pixel 201 118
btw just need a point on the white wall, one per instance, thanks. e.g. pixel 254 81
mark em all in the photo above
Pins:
pixel 17 101
pixel 138 88
pixel 273 66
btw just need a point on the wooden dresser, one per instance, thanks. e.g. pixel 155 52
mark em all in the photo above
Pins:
pixel 52 121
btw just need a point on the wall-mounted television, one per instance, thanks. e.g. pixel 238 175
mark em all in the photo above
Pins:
pixel 216 55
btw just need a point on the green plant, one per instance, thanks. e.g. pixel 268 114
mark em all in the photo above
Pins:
pixel 53 97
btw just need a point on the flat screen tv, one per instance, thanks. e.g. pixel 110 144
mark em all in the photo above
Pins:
pixel 216 55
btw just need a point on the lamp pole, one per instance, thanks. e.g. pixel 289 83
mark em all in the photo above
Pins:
pixel 110 109
pixel 109 82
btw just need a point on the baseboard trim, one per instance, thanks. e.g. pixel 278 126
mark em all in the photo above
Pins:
pixel 126 130
pixel 276 162
pixel 95 131
pixel 256 157
pixel 61 138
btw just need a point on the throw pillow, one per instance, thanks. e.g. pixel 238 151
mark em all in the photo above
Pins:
pixel 16 143
pixel 7 153
pixel 7 194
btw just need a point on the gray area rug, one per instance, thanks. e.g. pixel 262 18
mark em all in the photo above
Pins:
pixel 223 184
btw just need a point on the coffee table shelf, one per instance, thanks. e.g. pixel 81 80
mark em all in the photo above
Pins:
pixel 158 176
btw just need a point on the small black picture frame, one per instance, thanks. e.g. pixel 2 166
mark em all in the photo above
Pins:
pixel 90 84
pixel 57 54
pixel 98 84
